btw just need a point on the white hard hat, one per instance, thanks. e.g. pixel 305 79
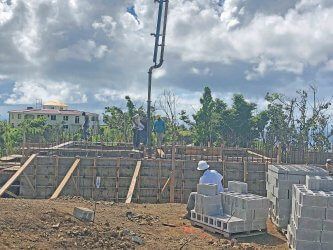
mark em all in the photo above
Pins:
pixel 202 165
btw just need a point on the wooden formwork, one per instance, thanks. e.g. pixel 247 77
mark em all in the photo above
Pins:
pixel 152 179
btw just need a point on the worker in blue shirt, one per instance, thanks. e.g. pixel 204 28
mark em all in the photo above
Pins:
pixel 208 177
pixel 159 129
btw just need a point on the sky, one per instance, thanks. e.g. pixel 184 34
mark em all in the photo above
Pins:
pixel 91 54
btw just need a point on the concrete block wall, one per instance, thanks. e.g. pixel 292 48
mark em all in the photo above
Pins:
pixel 311 220
pixel 279 181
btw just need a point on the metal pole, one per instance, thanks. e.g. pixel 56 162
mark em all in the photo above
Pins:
pixel 156 65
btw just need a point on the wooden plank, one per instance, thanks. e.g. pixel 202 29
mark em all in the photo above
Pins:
pixel 65 179
pixel 16 175
pixel 165 185
pixel 133 182
pixel 61 145
pixel 259 155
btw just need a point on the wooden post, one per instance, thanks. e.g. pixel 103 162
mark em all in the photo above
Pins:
pixel 133 182
pixel 172 176
pixel 159 173
pixel 245 171
pixel 16 175
pixel 93 178
pixel 224 173
pixel 117 179
pixel 35 179
pixel 65 179
pixel 183 183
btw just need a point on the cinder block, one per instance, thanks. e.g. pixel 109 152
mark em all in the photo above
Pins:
pixel 83 214
pixel 319 183
pixel 327 225
pixel 207 189
pixel 208 205
pixel 237 186
pixel 308 223
pixel 329 214
pixel 311 212
pixel 306 245
pixel 305 234
pixel 327 237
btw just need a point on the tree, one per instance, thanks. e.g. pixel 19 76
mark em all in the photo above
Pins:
pixel 204 120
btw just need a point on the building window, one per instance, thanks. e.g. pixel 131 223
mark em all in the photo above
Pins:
pixel 39 116
pixel 65 126
pixel 66 118
pixel 53 117
pixel 19 116
pixel 12 116
pixel 77 119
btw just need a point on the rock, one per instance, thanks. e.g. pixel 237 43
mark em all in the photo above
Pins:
pixel 83 214
pixel 56 226
pixel 137 240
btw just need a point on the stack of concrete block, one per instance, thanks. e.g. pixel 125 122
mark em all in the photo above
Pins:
pixel 237 186
pixel 207 200
pixel 242 212
pixel 311 221
pixel 251 208
pixel 279 181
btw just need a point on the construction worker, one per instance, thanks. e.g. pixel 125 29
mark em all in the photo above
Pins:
pixel 208 177
pixel 159 129
pixel 329 166
pixel 85 126
pixel 138 127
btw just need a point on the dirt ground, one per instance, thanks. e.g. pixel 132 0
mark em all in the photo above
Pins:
pixel 44 224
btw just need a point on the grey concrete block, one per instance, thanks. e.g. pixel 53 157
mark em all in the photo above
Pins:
pixel 319 183
pixel 326 246
pixel 208 205
pixel 327 225
pixel 207 189
pixel 83 214
pixel 329 214
pixel 237 186
pixel 308 223
pixel 311 212
pixel 305 234
pixel 327 237
pixel 306 245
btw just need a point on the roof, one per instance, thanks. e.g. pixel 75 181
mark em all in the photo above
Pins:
pixel 55 103
pixel 52 112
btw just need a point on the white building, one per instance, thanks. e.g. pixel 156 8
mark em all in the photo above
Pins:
pixel 56 114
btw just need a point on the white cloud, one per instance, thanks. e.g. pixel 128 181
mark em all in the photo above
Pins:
pixel 82 50
pixel 107 24
pixel 27 92
pixel 6 11
pixel 106 52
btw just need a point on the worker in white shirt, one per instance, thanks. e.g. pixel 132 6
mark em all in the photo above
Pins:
pixel 208 177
